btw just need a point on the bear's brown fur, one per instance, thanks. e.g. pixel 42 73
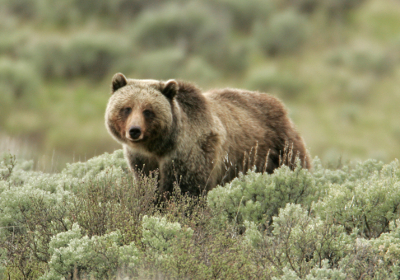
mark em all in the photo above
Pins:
pixel 200 139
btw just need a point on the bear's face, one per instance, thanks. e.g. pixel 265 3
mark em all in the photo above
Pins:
pixel 140 111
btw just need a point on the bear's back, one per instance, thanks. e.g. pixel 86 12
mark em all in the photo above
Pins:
pixel 255 119
pixel 266 109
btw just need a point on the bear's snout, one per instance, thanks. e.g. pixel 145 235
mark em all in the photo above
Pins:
pixel 135 132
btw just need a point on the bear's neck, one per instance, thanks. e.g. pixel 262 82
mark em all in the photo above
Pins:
pixel 166 140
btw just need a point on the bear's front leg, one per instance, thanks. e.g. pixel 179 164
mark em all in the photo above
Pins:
pixel 140 164
pixel 191 181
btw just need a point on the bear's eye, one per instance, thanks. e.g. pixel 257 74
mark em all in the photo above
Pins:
pixel 148 114
pixel 126 111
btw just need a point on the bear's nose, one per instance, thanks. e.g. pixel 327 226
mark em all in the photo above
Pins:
pixel 135 132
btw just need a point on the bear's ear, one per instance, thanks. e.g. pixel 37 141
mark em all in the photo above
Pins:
pixel 118 81
pixel 170 88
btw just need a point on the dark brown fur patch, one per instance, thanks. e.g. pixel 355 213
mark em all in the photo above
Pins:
pixel 191 100
pixel 209 143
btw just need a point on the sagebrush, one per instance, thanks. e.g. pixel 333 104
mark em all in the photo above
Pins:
pixel 93 220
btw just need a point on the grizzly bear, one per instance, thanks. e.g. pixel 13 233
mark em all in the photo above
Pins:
pixel 200 139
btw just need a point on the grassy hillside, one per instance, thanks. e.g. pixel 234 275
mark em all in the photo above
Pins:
pixel 334 63
pixel 93 221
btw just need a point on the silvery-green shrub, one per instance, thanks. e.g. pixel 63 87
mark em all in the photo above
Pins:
pixel 158 232
pixel 96 256
pixel 368 199
pixel 257 197
pixel 91 55
pixel 284 84
pixel 94 166
pixel 292 223
pixel 187 25
pixel 19 84
pixel 35 206
pixel 299 241
pixel 317 273
pixel 283 33
pixel 192 27
pixel 244 14
pixel 388 244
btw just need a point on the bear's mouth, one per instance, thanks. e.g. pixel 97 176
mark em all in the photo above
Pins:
pixel 139 140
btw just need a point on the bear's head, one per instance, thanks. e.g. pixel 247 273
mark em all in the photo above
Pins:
pixel 140 111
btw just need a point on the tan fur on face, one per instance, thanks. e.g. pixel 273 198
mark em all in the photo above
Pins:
pixel 135 119
pixel 139 96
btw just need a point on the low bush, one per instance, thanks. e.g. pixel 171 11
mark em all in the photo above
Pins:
pixel 258 197
pixel 199 70
pixel 366 202
pixel 245 14
pixel 388 244
pixel 12 40
pixel 95 56
pixel 334 8
pixel 18 79
pixel 94 220
pixel 23 8
pixel 91 56
pixel 378 62
pixel 71 13
pixel 193 27
pixel 162 64
pixel 47 55
pixel 283 33
pixel 74 255
pixel 299 242
pixel 282 84
pixel 19 85
pixel 188 26
pixel 59 13
pixel 170 64
pixel 340 8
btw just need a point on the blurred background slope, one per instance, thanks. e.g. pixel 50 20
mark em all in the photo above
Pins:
pixel 335 64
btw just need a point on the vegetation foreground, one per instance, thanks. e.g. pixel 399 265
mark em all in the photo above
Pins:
pixel 93 221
